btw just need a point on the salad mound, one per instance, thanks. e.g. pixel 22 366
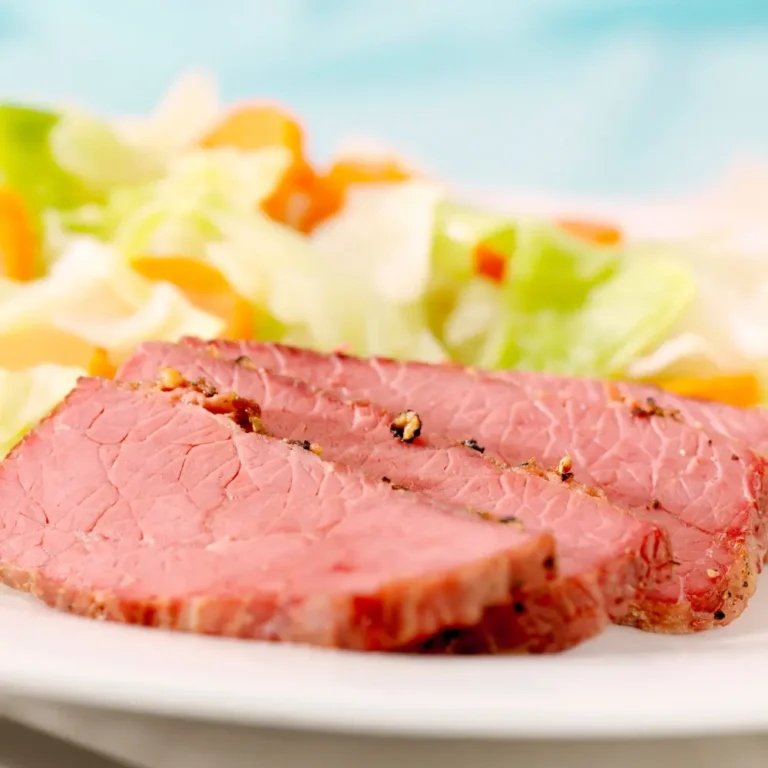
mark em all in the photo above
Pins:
pixel 207 220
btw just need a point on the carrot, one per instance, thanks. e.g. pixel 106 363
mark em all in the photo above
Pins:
pixel 204 286
pixel 241 325
pixel 302 199
pixel 343 173
pixel 598 233
pixel 18 241
pixel 191 275
pixel 307 199
pixel 489 263
pixel 101 365
pixel 255 126
pixel 741 389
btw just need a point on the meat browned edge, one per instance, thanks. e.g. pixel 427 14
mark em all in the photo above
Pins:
pixel 707 491
pixel 599 575
pixel 141 506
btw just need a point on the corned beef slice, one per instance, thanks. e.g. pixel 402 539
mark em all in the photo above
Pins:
pixel 134 505
pixel 600 574
pixel 748 425
pixel 707 493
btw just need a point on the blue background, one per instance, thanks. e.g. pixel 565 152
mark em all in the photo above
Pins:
pixel 581 96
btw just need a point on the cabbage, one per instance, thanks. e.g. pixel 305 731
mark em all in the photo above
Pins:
pixel 721 330
pixel 90 299
pixel 110 154
pixel 179 214
pixel 27 164
pixel 189 109
pixel 89 148
pixel 564 305
pixel 458 229
pixel 384 237
pixel 617 320
pixel 358 282
pixel 329 291
pixel 28 396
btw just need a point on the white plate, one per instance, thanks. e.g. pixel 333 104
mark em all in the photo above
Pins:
pixel 624 683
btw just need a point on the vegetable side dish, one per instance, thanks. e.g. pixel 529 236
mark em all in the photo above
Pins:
pixel 214 221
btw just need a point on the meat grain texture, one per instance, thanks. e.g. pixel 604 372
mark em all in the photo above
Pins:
pixel 604 554
pixel 746 425
pixel 706 490
pixel 135 505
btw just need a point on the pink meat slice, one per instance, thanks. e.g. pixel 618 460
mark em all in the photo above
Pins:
pixel 747 425
pixel 604 554
pixel 140 506
pixel 707 491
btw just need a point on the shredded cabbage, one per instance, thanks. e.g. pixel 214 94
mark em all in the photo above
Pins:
pixel 721 330
pixel 399 270
pixel 91 298
pixel 28 396
pixel 564 305
pixel 333 291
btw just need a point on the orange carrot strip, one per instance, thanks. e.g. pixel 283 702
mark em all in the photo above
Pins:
pixel 346 172
pixel 292 200
pixel 188 274
pixel 18 241
pixel 101 365
pixel 599 233
pixel 205 287
pixel 254 126
pixel 742 389
pixel 489 263
pixel 308 199
pixel 241 325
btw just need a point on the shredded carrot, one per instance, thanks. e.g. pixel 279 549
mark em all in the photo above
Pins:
pixel 18 241
pixel 300 200
pixel 303 198
pixel 489 263
pixel 101 365
pixel 188 274
pixel 205 287
pixel 241 325
pixel 741 389
pixel 316 198
pixel 599 233
pixel 346 172
pixel 254 126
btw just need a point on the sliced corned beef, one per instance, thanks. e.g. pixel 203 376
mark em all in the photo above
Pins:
pixel 600 573
pixel 748 425
pixel 141 506
pixel 707 492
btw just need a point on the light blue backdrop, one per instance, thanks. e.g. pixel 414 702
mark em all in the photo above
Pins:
pixel 577 95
